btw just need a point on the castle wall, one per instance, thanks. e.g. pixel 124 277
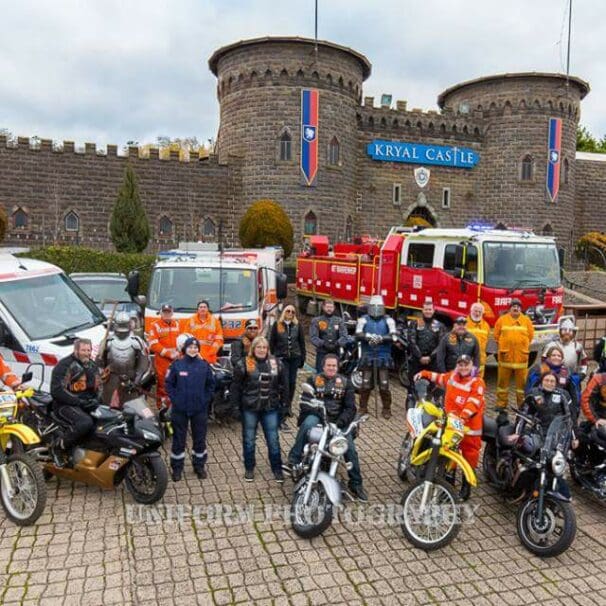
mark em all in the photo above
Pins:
pixel 49 184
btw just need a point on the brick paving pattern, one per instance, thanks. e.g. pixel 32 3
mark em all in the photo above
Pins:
pixel 99 547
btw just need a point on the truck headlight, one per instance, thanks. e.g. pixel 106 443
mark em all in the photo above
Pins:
pixel 558 463
pixel 338 446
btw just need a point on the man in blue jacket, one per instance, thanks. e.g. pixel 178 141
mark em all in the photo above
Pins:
pixel 190 384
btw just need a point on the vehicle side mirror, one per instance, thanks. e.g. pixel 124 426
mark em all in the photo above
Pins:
pixel 141 300
pixel 26 377
pixel 133 284
pixel 3 332
pixel 561 259
pixel 281 286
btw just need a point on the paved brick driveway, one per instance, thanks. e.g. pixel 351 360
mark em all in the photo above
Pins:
pixel 99 548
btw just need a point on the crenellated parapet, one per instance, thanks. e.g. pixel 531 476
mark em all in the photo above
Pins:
pixel 131 152
pixel 418 123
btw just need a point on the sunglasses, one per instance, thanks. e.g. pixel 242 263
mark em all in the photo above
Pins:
pixel 290 311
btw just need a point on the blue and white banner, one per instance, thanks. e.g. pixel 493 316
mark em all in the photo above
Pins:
pixel 415 153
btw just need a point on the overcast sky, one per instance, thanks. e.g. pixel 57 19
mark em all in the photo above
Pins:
pixel 111 71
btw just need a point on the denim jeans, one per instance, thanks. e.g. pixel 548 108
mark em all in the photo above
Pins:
pixel 291 366
pixel 269 422
pixel 351 456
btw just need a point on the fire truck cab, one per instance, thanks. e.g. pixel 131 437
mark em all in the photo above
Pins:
pixel 239 284
pixel 452 267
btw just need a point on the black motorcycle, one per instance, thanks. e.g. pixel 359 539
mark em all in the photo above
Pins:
pixel 123 446
pixel 221 408
pixel 588 462
pixel 530 470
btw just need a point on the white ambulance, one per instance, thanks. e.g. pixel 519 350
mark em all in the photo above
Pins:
pixel 42 312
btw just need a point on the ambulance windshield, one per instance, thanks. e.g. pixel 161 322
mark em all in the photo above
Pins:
pixel 183 287
pixel 521 265
pixel 48 306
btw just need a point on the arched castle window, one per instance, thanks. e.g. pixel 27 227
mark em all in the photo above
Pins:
pixel 565 173
pixel 527 168
pixel 334 151
pixel 209 229
pixel 285 146
pixel 72 221
pixel 20 219
pixel 268 74
pixel 383 122
pixel 329 79
pixel 310 225
pixel 349 229
pixel 165 226
pixel 395 123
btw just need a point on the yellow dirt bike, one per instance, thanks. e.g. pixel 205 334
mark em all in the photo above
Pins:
pixel 430 508
pixel 22 485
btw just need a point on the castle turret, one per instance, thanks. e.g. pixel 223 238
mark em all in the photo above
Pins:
pixel 515 110
pixel 259 90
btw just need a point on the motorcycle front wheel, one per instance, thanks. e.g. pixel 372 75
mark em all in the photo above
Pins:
pixel 551 535
pixel 146 479
pixel 356 378
pixel 312 520
pixel 437 523
pixel 25 500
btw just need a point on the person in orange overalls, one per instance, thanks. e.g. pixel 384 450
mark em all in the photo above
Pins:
pixel 207 329
pixel 463 397
pixel 480 329
pixel 162 341
pixel 7 376
pixel 513 333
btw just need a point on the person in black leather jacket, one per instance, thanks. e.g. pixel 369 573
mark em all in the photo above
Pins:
pixel 75 385
pixel 340 401
pixel 259 388
pixel 287 343
pixel 458 342
pixel 544 403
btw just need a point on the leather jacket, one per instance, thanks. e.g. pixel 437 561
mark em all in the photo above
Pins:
pixel 259 385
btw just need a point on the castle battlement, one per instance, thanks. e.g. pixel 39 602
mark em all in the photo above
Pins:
pixel 132 152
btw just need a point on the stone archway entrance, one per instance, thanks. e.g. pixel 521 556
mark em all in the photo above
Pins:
pixel 420 215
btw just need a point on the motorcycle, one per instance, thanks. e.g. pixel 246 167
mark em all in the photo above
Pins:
pixel 123 446
pixel 221 408
pixel 417 419
pixel 317 490
pixel 351 354
pixel 546 522
pixel 22 485
pixel 589 470
pixel 430 506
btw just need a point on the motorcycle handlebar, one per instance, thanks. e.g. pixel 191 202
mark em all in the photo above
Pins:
pixel 355 423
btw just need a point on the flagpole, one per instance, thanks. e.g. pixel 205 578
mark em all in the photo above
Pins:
pixel 569 36
pixel 316 30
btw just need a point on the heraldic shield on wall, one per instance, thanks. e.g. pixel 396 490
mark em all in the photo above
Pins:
pixel 310 113
pixel 422 176
pixel 554 153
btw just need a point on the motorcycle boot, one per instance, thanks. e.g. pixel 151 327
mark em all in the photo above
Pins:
pixel 357 491
pixel 386 401
pixel 364 397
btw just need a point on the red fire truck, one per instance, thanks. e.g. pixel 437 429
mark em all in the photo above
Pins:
pixel 452 267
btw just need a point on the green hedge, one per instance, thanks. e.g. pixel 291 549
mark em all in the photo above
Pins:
pixel 79 259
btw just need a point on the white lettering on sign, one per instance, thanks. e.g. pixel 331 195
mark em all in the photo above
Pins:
pixel 343 269
pixel 557 300
pixel 417 281
pixel 413 297
pixel 500 301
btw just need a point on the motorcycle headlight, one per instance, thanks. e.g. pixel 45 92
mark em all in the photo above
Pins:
pixel 338 446
pixel 558 463
pixel 150 436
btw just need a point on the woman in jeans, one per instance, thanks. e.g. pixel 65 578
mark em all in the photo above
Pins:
pixel 258 390
pixel 287 343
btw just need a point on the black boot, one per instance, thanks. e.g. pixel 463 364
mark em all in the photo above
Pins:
pixel 200 472
pixel 364 397
pixel 386 401
pixel 176 475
